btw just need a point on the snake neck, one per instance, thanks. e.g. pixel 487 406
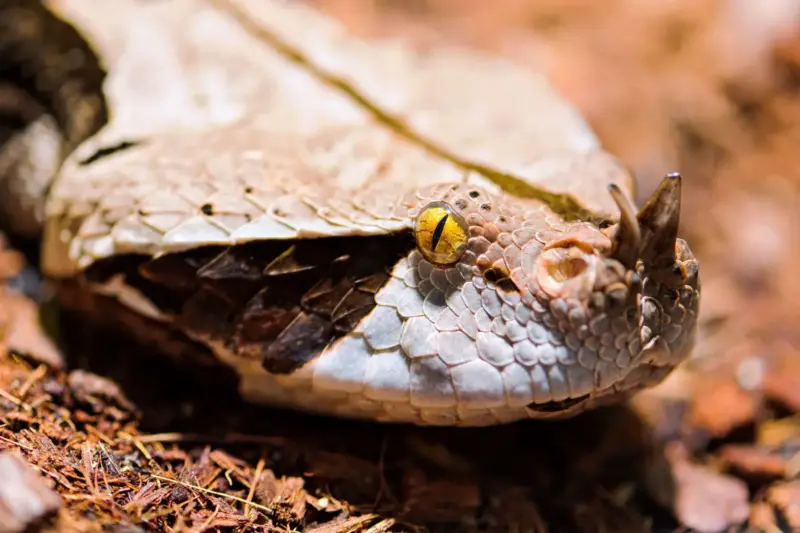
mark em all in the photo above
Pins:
pixel 51 100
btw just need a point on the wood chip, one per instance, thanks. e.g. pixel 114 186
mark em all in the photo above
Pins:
pixel 704 499
pixel 25 498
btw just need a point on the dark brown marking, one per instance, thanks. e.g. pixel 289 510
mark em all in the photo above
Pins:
pixel 437 233
pixel 507 285
pixel 555 407
pixel 245 263
pixel 373 283
pixel 297 344
pixel 474 194
pixel 497 275
pixel 34 40
pixel 293 261
pixel 325 296
pixel 352 308
pixel 277 302
pixel 494 275
pixel 208 313
pixel 207 209
pixel 264 317
pixel 107 151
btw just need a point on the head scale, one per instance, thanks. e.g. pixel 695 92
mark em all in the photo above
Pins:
pixel 559 315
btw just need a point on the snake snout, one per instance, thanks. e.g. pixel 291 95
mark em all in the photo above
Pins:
pixel 622 301
pixel 669 292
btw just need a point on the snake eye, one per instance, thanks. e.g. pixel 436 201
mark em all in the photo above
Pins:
pixel 441 234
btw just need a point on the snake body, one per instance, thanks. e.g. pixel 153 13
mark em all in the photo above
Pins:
pixel 359 229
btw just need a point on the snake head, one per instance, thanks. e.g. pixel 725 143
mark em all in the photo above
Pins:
pixel 531 312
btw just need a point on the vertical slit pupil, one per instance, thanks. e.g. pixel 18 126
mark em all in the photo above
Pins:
pixel 437 233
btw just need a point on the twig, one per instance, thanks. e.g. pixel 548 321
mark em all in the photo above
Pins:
pixel 16 401
pixel 266 510
pixel 251 492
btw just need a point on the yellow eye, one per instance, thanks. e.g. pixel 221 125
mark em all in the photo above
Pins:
pixel 441 233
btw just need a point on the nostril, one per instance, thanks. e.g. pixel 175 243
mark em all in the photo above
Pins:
pixel 566 268
pixel 566 272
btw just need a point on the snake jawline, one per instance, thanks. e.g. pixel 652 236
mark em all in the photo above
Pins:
pixel 277 302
